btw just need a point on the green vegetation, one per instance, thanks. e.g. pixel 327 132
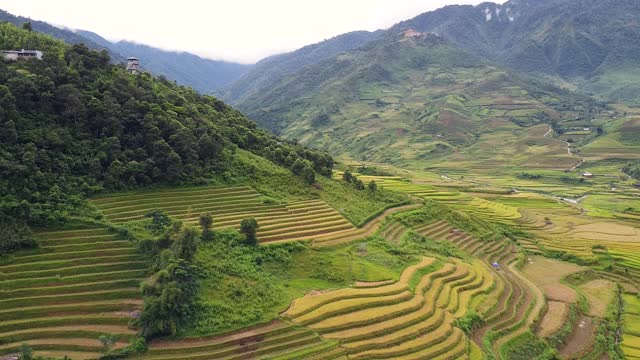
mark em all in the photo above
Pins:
pixel 101 128
pixel 633 169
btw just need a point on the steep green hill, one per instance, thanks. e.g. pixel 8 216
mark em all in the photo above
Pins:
pixel 73 124
pixel 408 97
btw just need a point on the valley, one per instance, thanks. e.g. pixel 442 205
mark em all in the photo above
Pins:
pixel 461 185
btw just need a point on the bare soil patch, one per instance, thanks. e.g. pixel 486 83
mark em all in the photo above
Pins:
pixel 580 338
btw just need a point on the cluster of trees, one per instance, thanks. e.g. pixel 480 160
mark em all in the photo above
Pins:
pixel 73 124
pixel 349 178
pixel 171 294
pixel 633 169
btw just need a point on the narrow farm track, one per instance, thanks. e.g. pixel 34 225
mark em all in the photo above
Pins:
pixel 302 220
pixel 515 303
pixel 60 298
pixel 409 319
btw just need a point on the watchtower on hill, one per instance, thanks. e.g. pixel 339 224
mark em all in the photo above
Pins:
pixel 133 65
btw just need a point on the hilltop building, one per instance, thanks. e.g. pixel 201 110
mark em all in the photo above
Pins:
pixel 21 54
pixel 412 33
pixel 133 65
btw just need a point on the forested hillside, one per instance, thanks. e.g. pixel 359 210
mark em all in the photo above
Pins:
pixel 74 124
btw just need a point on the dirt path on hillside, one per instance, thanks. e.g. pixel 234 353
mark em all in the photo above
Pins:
pixel 580 338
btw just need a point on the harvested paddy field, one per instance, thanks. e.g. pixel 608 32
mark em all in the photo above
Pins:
pixel 547 274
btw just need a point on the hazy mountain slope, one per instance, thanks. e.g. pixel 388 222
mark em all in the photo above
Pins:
pixel 204 75
pixel 405 98
pixel 267 71
pixel 65 35
pixel 584 41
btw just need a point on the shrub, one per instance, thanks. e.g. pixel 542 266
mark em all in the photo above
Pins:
pixel 469 322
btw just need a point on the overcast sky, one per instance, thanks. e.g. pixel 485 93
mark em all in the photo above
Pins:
pixel 236 30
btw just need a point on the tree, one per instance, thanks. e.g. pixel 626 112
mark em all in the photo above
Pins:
pixel 373 187
pixel 249 228
pixel 206 222
pixel 27 26
pixel 358 184
pixel 308 174
pixel 186 245
pixel 170 298
pixel 159 221
pixel 347 177
pixel 15 236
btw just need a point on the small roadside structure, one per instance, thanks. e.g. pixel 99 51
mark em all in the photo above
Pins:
pixel 495 265
pixel 14 55
pixel 587 175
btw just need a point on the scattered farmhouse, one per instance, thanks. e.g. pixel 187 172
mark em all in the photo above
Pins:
pixel 21 54
pixel 587 175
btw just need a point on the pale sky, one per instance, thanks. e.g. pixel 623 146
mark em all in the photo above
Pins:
pixel 236 30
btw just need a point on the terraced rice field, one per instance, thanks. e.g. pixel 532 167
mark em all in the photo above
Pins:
pixel 295 221
pixel 277 340
pixel 60 298
pixel 410 319
pixel 513 304
pixel 369 229
pixel 631 331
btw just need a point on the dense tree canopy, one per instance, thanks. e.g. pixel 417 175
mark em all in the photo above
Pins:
pixel 73 124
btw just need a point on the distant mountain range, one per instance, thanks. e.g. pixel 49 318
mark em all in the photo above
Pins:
pixel 439 83
pixel 429 87
pixel 204 75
